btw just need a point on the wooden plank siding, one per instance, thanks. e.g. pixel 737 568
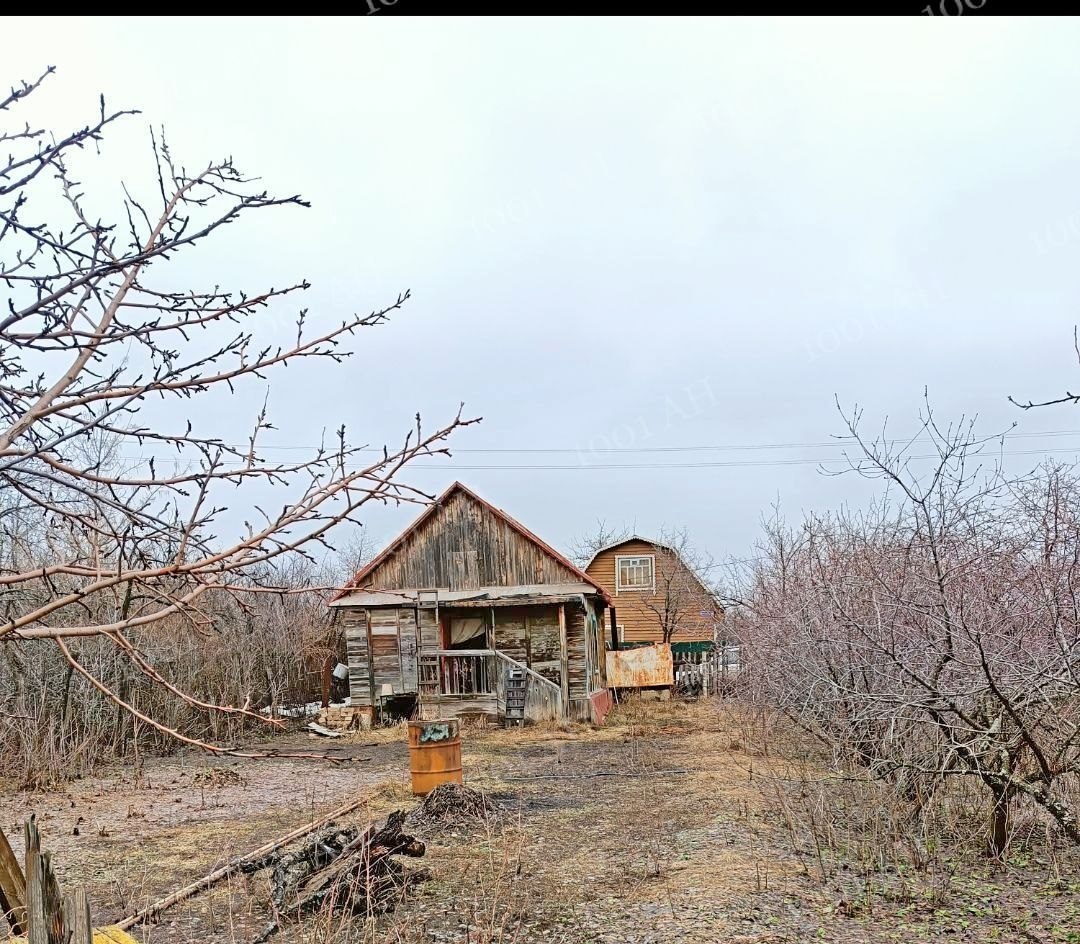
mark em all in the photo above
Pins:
pixel 385 652
pixel 595 643
pixel 577 657
pixel 465 546
pixel 354 622
pixel 512 633
pixel 543 651
pixel 429 629
pixel 633 608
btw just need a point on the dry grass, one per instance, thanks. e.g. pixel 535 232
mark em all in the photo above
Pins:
pixel 662 826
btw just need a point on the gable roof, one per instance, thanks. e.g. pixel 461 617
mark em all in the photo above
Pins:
pixel 660 544
pixel 627 540
pixel 433 509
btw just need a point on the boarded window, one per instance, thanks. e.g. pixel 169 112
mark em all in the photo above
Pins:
pixel 634 573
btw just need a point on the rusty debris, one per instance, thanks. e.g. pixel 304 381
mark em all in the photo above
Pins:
pixel 641 667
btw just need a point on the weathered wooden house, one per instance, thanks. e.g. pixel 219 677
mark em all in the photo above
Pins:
pixel 461 596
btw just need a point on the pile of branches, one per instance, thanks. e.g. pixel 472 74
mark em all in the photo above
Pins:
pixel 346 871
pixel 451 804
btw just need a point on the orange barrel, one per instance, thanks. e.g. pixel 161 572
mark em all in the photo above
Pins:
pixel 434 755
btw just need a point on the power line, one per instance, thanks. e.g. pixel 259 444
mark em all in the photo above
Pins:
pixel 732 463
pixel 839 442
pixel 713 464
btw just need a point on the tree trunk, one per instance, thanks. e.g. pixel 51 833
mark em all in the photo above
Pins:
pixel 999 822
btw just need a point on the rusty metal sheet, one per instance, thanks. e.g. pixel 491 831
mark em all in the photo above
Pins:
pixel 642 667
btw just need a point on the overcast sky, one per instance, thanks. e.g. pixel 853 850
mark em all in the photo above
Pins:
pixel 631 235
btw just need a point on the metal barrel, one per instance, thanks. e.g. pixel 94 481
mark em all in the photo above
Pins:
pixel 434 755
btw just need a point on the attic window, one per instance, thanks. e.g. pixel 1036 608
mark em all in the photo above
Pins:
pixel 634 573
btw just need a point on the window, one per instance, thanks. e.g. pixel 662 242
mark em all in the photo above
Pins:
pixel 620 633
pixel 634 573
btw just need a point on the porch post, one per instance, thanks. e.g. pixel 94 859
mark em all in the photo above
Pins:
pixel 564 663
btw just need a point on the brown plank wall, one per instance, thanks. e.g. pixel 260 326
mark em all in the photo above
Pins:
pixel 527 634
pixel 464 546
pixel 639 622
pixel 354 622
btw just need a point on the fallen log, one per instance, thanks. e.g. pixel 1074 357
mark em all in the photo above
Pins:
pixel 233 865
pixel 293 868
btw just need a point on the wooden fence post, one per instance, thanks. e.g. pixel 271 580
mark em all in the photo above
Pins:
pixel 50 918
pixel 12 888
pixel 77 911
pixel 44 908
pixel 33 904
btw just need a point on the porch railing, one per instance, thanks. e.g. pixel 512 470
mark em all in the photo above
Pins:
pixel 481 672
pixel 460 672
pixel 543 697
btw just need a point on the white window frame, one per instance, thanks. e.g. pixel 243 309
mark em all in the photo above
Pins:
pixel 619 558
pixel 620 633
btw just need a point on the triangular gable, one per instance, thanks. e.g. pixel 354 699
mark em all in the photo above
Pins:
pixel 462 541
pixel 664 547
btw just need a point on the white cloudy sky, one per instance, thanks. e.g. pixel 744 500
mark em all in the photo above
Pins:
pixel 631 235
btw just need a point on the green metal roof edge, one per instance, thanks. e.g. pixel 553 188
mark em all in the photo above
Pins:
pixel 703 645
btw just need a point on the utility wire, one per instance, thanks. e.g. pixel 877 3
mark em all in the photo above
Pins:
pixel 706 464
pixel 836 443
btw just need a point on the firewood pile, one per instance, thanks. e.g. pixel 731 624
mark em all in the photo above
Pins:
pixel 343 870
pixel 451 804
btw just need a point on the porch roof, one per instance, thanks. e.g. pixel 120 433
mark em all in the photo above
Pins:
pixel 521 595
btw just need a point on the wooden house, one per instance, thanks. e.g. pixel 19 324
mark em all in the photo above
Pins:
pixel 464 594
pixel 656 598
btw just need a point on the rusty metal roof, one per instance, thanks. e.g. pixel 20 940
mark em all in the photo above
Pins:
pixel 498 512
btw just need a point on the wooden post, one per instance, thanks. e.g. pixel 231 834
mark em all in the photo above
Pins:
pixel 77 911
pixel 52 918
pixel 12 888
pixel 564 666
pixel 327 668
pixel 44 908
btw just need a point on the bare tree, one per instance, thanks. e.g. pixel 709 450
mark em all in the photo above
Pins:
pixel 112 512
pixel 935 636
pixel 1068 398
pixel 683 599
pixel 587 546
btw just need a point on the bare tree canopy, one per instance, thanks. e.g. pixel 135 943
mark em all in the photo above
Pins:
pixel 1068 398
pixel 110 504
pixel 933 637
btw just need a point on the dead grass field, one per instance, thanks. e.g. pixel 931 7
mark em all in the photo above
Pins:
pixel 652 829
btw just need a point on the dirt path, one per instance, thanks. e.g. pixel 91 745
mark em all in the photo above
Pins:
pixel 653 829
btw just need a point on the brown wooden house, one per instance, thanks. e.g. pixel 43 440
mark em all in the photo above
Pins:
pixel 656 597
pixel 462 595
